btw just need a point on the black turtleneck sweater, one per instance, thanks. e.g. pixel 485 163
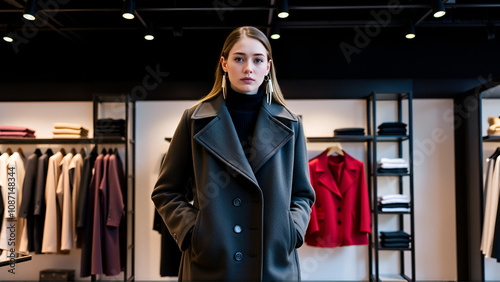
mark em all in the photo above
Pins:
pixel 244 109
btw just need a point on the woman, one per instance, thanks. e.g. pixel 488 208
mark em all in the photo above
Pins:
pixel 241 158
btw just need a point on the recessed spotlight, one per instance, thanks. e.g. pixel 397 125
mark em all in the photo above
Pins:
pixel 283 9
pixel 128 9
pixel 30 10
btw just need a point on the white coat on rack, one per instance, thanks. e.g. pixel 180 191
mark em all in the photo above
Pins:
pixel 4 160
pixel 15 162
pixel 492 194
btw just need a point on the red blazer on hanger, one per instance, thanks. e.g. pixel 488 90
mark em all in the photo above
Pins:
pixel 341 214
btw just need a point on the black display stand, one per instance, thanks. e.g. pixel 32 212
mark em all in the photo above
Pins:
pixel 400 142
pixel 469 179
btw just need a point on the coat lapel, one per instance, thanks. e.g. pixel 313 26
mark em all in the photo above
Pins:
pixel 270 134
pixel 325 176
pixel 220 138
pixel 348 174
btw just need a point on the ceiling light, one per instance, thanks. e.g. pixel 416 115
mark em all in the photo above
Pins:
pixel 8 38
pixel 283 9
pixel 30 10
pixel 410 34
pixel 149 32
pixel 9 32
pixel 128 9
pixel 275 31
pixel 438 8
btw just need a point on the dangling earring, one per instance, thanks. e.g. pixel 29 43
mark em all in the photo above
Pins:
pixel 269 89
pixel 224 90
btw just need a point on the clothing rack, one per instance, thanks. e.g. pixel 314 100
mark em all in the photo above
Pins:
pixel 128 142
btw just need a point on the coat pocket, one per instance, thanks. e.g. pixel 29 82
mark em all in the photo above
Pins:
pixel 194 235
pixel 293 232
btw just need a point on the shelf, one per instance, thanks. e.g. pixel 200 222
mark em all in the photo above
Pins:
pixel 104 140
pixel 491 138
pixel 16 260
pixel 391 278
pixel 390 96
pixel 392 249
pixel 392 212
pixel 385 174
pixel 346 138
pixel 391 138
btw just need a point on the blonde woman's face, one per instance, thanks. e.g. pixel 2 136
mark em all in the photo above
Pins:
pixel 246 65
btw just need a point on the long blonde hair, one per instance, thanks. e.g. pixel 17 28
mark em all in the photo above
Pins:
pixel 232 38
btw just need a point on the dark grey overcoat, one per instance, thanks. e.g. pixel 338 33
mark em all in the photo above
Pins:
pixel 249 213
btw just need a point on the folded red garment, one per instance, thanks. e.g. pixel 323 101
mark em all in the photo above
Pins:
pixel 15 134
pixel 9 128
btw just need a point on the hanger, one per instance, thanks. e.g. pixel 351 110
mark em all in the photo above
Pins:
pixel 49 152
pixel 104 152
pixel 38 151
pixel 63 151
pixel 20 151
pixel 336 148
pixel 495 155
pixel 73 151
pixel 9 151
pixel 82 152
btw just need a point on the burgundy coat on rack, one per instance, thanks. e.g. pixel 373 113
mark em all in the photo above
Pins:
pixel 90 265
pixel 112 214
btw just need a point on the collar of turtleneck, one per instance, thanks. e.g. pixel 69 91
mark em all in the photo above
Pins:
pixel 243 102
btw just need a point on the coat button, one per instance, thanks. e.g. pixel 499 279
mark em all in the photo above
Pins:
pixel 238 256
pixel 237 202
pixel 339 209
pixel 237 229
pixel 339 222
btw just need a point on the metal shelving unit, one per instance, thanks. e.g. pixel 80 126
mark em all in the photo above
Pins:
pixel 129 194
pixel 400 141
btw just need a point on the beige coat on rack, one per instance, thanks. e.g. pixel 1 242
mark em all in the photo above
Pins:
pixel 64 200
pixel 51 239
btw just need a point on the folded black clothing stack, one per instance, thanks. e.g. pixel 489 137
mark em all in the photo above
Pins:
pixel 392 128
pixel 349 131
pixel 110 127
pixel 394 239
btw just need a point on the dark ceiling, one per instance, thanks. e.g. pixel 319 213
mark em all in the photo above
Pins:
pixel 89 41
